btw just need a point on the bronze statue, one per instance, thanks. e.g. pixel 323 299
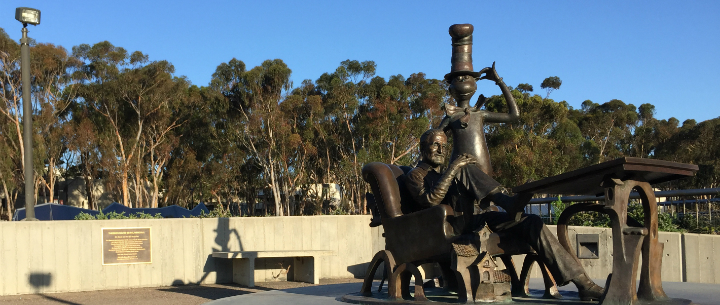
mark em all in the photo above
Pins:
pixel 462 184
pixel 428 213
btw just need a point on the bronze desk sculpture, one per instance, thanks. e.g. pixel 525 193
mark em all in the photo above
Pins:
pixel 631 239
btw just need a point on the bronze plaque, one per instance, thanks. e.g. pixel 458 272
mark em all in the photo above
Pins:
pixel 126 246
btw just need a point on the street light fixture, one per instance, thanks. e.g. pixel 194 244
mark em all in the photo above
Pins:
pixel 27 16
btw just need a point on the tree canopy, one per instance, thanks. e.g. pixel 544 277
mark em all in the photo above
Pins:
pixel 117 119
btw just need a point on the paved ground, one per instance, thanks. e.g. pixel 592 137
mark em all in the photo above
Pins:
pixel 181 295
pixel 700 294
pixel 328 292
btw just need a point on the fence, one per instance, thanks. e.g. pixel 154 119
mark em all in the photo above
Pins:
pixel 700 205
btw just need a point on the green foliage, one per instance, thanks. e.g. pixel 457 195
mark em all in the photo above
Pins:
pixel 84 216
pixel 524 88
pixel 590 219
pixel 114 215
pixel 551 83
pixel 220 211
pixel 340 210
pixel 701 225
pixel 558 206
pixel 666 222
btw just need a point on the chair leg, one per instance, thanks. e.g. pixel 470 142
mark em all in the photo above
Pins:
pixel 405 285
pixel 517 287
pixel 449 280
pixel 551 289
pixel 385 257
pixel 402 283
pixel 382 281
pixel 464 279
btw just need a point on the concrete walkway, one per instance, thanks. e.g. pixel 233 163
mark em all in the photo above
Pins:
pixel 700 294
pixel 178 295
pixel 328 292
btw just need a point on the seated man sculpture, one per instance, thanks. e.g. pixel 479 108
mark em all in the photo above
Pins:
pixel 463 184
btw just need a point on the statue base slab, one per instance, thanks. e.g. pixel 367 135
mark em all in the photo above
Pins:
pixel 439 296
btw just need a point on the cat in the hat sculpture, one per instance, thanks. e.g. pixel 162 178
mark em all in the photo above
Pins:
pixel 465 123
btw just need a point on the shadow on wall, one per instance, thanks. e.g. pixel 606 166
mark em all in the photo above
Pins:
pixel 39 280
pixel 222 267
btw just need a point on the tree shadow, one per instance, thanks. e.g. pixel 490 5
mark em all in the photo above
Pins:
pixel 39 280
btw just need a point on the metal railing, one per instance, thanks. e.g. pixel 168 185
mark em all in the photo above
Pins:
pixel 684 204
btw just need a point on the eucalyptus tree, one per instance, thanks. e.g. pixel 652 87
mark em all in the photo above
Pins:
pixel 253 118
pixel 303 113
pixel 11 147
pixel 343 94
pixel 551 83
pixel 524 88
pixel 542 143
pixel 52 69
pixel 135 101
pixel 697 143
pixel 99 94
pixel 609 128
pixel 84 141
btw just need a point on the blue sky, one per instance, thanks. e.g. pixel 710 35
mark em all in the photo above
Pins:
pixel 666 53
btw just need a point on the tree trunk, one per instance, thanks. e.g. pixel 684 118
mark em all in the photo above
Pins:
pixel 37 186
pixel 217 197
pixel 51 179
pixel 286 199
pixel 275 190
pixel 251 199
pixel 154 198
pixel 8 201
pixel 89 191
pixel 125 188
pixel 139 185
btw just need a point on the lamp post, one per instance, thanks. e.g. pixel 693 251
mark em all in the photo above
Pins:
pixel 32 16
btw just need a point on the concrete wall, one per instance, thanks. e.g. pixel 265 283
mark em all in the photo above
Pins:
pixel 681 259
pixel 700 258
pixel 60 256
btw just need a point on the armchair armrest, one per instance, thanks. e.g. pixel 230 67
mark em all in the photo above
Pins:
pixel 385 188
pixel 419 235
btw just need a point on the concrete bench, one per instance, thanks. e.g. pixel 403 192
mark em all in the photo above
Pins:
pixel 305 266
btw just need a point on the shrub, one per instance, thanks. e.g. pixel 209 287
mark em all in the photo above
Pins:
pixel 114 215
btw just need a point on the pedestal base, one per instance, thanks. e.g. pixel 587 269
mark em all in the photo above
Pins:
pixel 441 297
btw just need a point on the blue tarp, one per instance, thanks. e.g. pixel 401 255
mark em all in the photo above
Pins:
pixel 51 211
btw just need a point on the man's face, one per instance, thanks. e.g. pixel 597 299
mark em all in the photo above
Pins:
pixel 434 150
